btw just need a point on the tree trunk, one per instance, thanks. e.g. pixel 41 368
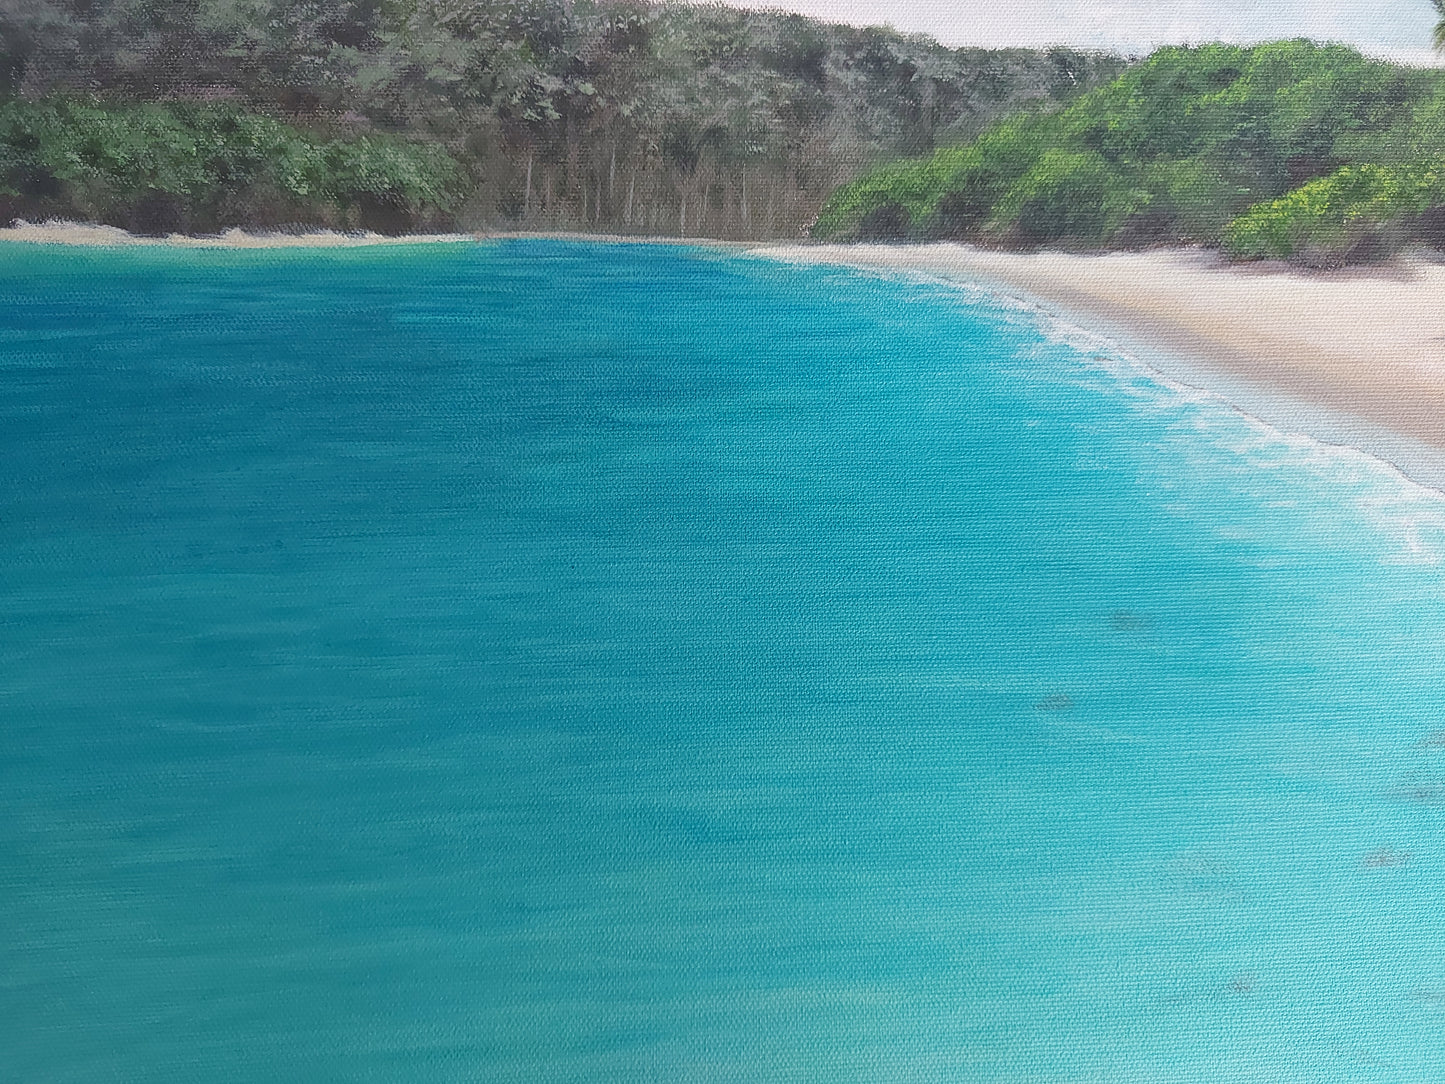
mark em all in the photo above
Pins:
pixel 631 187
pixel 925 142
pixel 574 162
pixel 527 199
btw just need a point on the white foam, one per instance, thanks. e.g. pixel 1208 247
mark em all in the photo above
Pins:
pixel 1405 510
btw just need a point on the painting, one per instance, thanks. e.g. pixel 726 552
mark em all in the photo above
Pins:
pixel 614 540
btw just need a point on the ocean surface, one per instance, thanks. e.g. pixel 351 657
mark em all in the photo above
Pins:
pixel 544 661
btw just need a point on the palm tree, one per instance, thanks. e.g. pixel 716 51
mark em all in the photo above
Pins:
pixel 1440 26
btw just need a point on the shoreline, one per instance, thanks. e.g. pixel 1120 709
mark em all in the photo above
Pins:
pixel 1353 358
pixel 89 234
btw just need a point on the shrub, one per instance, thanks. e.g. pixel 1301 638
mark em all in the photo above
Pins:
pixel 1271 149
pixel 1066 195
pixel 1335 214
pixel 163 167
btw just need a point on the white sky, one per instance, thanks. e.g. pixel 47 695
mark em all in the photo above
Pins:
pixel 1399 29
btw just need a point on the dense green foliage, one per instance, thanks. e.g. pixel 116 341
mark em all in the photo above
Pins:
pixel 1284 149
pixel 609 114
pixel 1356 212
pixel 159 168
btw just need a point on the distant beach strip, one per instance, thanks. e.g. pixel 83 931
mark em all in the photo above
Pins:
pixel 91 234
pixel 84 233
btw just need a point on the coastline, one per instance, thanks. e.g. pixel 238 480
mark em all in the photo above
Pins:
pixel 89 234
pixel 1353 358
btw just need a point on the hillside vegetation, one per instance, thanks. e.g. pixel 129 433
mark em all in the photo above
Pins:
pixel 1288 149
pixel 183 167
pixel 402 114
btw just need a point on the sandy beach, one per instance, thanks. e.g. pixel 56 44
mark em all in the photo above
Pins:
pixel 89 234
pixel 1365 348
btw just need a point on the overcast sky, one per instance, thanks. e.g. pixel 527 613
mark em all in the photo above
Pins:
pixel 1396 28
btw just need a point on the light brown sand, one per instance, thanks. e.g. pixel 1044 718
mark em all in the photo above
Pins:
pixel 87 233
pixel 1368 343
pixel 76 233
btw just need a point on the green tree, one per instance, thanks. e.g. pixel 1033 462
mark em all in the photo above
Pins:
pixel 1172 150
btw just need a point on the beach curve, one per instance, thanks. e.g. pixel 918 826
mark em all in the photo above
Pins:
pixel 1354 357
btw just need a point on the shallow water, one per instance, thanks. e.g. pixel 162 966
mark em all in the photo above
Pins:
pixel 552 661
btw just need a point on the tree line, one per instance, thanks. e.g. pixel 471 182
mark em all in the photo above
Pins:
pixel 608 115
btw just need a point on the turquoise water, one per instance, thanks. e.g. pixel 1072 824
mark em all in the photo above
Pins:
pixel 542 661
